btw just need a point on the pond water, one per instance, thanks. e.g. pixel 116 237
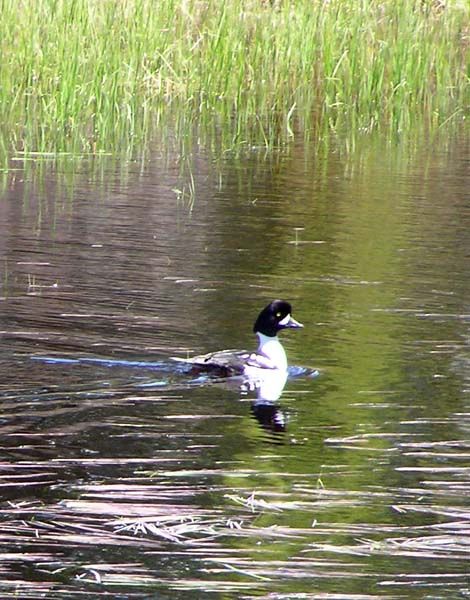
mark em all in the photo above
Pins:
pixel 123 475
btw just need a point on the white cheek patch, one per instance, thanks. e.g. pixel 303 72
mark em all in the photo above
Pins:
pixel 285 320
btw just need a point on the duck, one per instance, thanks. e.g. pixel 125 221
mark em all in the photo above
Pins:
pixel 268 358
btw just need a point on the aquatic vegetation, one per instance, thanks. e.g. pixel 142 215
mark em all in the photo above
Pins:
pixel 93 75
pixel 255 544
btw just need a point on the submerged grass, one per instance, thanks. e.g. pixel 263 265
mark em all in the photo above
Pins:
pixel 95 75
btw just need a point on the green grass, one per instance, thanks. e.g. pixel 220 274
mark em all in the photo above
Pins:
pixel 98 75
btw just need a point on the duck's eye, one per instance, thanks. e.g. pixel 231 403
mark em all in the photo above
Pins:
pixel 278 315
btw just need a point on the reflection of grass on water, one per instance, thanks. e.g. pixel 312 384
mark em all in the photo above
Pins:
pixel 91 75
pixel 71 542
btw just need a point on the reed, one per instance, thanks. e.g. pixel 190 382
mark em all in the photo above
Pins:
pixel 95 75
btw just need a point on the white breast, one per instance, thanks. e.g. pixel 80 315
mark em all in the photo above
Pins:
pixel 272 349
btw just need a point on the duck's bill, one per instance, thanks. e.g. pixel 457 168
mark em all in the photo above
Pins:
pixel 291 323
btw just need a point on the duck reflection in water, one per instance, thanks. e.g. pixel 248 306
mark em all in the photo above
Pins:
pixel 268 391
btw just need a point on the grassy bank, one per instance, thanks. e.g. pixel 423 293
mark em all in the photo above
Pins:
pixel 91 75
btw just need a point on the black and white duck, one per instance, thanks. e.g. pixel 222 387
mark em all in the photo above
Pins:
pixel 270 355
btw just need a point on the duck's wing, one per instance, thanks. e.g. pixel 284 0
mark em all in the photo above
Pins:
pixel 224 362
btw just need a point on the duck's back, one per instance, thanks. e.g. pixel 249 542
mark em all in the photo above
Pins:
pixel 224 362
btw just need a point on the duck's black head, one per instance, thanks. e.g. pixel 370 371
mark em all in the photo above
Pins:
pixel 273 318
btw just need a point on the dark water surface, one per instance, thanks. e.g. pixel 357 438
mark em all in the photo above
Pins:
pixel 123 476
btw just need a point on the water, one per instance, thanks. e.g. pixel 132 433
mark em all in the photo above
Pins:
pixel 122 474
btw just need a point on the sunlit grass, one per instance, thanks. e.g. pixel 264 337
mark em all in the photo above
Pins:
pixel 95 75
